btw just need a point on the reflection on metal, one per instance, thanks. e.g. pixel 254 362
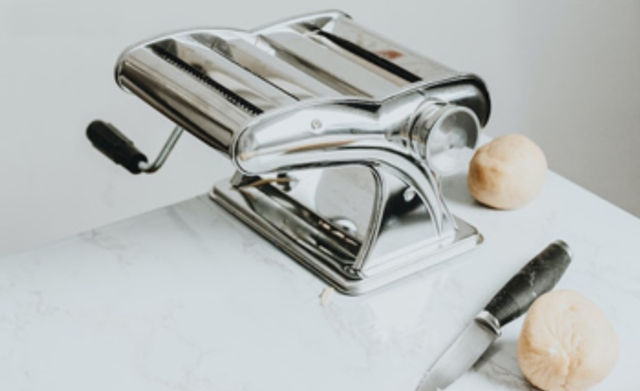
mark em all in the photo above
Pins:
pixel 338 135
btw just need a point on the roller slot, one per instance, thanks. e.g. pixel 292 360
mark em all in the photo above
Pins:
pixel 401 57
pixel 370 57
pixel 195 71
pixel 328 66
pixel 265 65
pixel 234 75
pixel 189 98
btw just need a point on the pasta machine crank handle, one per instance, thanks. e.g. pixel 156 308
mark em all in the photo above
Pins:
pixel 121 150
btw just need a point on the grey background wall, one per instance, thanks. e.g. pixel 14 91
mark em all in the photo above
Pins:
pixel 565 73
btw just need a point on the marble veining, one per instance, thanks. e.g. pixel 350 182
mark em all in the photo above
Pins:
pixel 188 298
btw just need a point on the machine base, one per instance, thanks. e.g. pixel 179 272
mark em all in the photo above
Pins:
pixel 262 212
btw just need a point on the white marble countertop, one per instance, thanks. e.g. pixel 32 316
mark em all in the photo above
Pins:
pixel 187 298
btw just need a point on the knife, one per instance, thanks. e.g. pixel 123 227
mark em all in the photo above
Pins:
pixel 538 276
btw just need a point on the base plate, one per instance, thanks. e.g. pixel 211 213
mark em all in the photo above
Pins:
pixel 281 226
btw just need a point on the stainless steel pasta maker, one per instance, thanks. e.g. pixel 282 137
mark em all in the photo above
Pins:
pixel 339 138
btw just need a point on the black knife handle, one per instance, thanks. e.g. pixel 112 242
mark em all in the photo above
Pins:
pixel 115 145
pixel 537 277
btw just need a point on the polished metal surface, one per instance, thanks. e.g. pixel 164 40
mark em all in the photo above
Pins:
pixel 459 357
pixel 213 82
pixel 392 248
pixel 331 132
pixel 158 162
pixel 490 321
pixel 339 137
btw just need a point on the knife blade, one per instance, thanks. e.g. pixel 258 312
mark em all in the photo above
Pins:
pixel 537 277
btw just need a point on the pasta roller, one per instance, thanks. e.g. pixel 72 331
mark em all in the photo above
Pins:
pixel 339 138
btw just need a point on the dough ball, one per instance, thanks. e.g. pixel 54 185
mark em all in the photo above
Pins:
pixel 508 172
pixel 567 343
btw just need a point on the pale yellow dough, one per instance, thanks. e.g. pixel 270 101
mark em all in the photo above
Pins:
pixel 566 343
pixel 508 172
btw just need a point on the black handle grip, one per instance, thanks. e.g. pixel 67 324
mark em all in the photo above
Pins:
pixel 115 145
pixel 538 276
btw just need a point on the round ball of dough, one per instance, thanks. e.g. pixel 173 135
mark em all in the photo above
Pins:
pixel 567 343
pixel 508 172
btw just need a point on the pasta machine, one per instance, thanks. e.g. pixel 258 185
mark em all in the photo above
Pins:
pixel 339 138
